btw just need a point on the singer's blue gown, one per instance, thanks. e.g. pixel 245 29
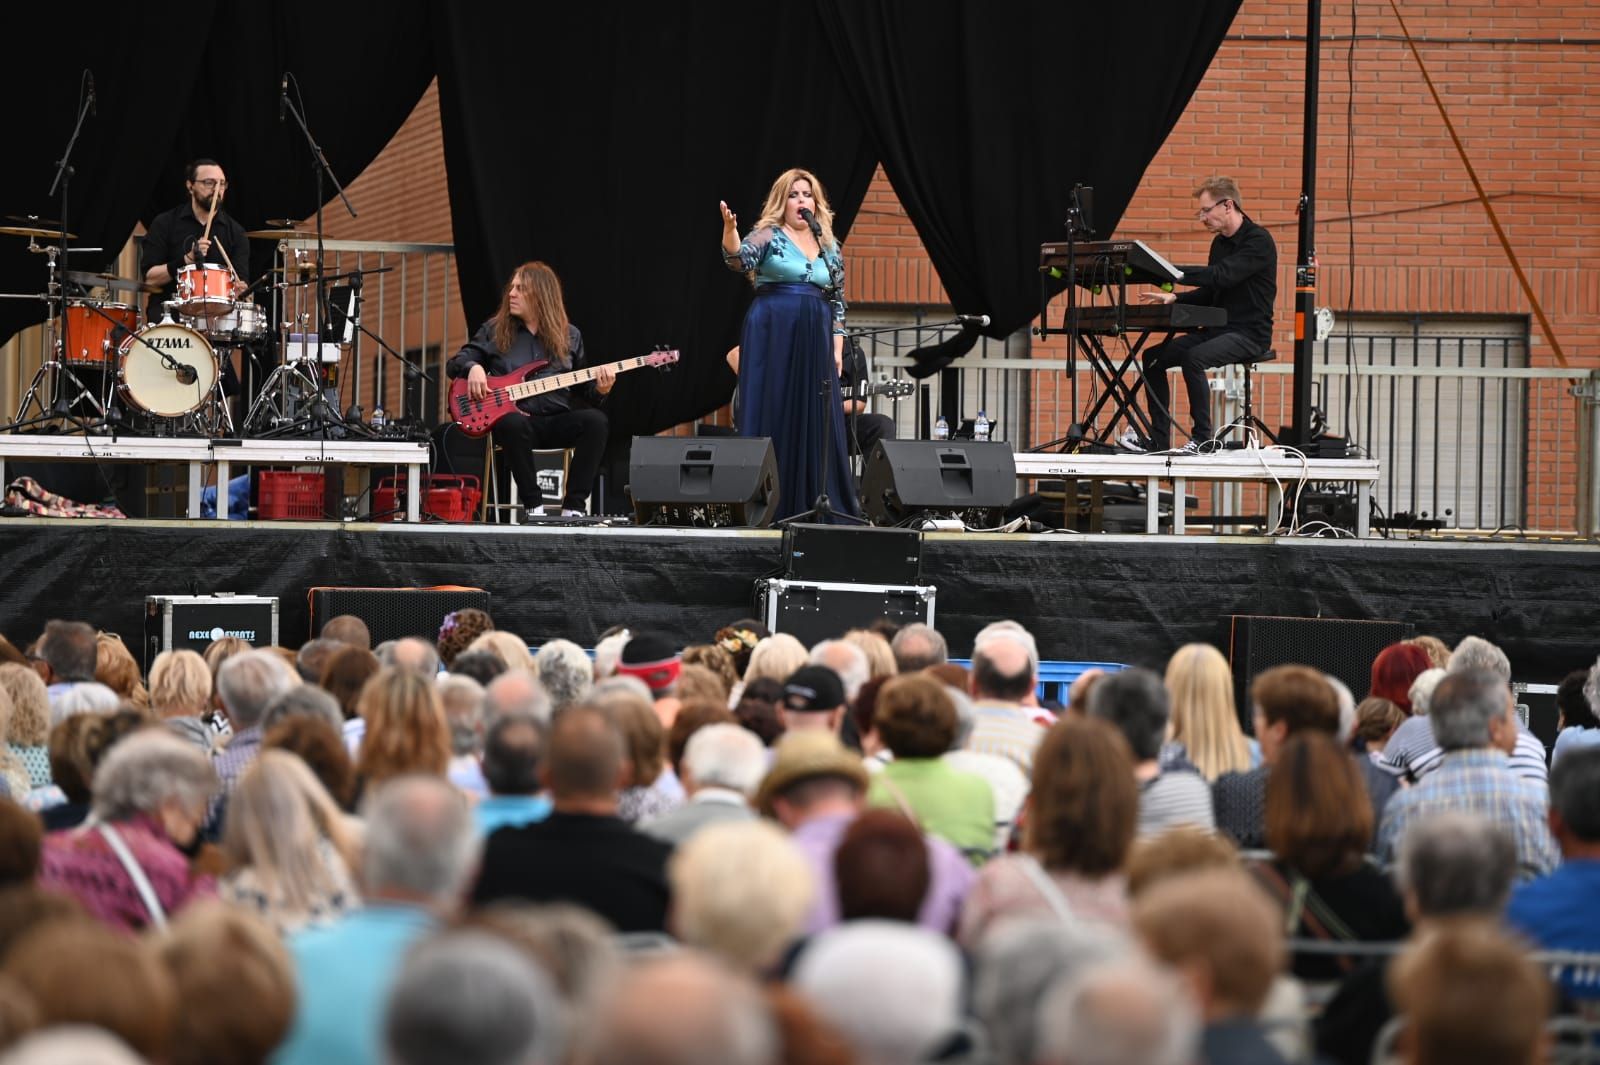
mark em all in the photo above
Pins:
pixel 788 387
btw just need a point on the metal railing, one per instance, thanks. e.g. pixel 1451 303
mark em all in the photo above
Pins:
pixel 1466 435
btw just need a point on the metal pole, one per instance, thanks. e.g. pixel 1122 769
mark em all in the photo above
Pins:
pixel 1305 274
pixel 1590 396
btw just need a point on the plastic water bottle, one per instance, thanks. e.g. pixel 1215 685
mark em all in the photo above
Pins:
pixel 941 429
pixel 379 419
pixel 980 428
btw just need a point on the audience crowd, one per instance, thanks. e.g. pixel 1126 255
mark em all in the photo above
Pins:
pixel 750 852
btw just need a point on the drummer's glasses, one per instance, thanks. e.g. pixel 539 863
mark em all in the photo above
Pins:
pixel 212 183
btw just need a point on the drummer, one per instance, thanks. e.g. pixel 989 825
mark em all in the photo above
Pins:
pixel 176 238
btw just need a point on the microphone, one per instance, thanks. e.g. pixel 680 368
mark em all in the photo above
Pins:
pixel 810 219
pixel 187 375
pixel 979 320
pixel 93 111
pixel 283 96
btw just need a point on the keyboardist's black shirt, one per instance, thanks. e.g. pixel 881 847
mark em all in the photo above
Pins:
pixel 1241 276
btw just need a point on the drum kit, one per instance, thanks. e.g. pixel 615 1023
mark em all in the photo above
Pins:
pixel 106 366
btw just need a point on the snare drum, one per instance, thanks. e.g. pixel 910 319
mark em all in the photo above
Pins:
pixel 148 384
pixel 91 331
pixel 241 322
pixel 205 290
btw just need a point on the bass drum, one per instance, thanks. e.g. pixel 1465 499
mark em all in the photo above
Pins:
pixel 148 383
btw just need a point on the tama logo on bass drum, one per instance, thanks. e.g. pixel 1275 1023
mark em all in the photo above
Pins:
pixel 168 342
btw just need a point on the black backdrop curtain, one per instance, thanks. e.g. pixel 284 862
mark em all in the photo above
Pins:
pixel 600 138
pixel 175 84
pixel 986 114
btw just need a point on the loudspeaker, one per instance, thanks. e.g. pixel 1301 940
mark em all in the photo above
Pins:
pixel 852 553
pixel 703 482
pixel 391 613
pixel 966 479
pixel 1344 649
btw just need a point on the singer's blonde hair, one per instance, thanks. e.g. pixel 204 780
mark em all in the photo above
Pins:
pixel 772 210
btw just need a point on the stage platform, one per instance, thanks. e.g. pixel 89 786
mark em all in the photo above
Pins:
pixel 1131 599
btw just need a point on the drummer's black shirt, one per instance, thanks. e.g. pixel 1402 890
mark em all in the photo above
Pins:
pixel 173 234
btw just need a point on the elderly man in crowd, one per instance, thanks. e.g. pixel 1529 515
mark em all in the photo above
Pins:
pixel 681 1009
pixel 583 852
pixel 918 646
pixel 1136 702
pixel 813 700
pixel 66 653
pixel 410 652
pixel 848 662
pixel 512 755
pixel 1005 671
pixel 247 685
pixel 565 672
pixel 419 854
pixel 1475 724
pixel 1125 1011
pixel 722 767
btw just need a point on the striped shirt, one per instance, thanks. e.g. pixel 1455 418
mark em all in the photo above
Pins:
pixel 1412 752
pixel 1477 781
pixel 1008 730
pixel 1175 797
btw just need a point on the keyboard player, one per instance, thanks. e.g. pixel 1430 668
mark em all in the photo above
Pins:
pixel 1241 277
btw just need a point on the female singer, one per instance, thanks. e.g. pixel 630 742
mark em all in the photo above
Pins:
pixel 792 340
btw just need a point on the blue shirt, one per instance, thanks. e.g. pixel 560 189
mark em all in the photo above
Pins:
pixel 344 972
pixel 1477 781
pixel 509 811
pixel 1572 738
pixel 1557 913
pixel 778 260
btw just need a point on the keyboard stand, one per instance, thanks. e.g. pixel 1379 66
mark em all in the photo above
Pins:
pixel 1116 388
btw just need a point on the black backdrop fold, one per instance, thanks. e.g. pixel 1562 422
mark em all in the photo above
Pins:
pixel 986 114
pixel 602 148
pixel 203 80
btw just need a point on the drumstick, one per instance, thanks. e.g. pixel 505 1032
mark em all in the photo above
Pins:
pixel 215 199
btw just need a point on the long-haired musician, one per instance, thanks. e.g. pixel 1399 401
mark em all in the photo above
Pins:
pixel 531 326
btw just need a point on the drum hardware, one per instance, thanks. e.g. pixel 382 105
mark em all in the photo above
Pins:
pixel 111 282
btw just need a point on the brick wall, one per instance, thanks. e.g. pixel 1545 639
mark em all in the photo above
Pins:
pixel 1522 101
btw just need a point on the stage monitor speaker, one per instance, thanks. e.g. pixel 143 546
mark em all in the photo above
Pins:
pixel 966 479
pixel 852 553
pixel 704 482
pixel 1343 649
pixel 391 613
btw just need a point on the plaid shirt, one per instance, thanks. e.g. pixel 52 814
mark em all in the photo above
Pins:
pixel 1477 781
pixel 1006 729
pixel 236 757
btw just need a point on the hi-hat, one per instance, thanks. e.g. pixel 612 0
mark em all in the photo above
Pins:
pixel 34 220
pixel 33 231
pixel 273 234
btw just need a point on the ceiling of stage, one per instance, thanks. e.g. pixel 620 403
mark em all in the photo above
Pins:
pixel 599 137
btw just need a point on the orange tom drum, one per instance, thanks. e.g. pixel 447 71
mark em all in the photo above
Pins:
pixel 92 331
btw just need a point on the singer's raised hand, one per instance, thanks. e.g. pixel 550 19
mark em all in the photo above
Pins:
pixel 730 228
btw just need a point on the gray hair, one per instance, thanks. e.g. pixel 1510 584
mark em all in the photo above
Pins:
pixel 682 1009
pixel 625 683
pixel 84 697
pixel 516 691
pixel 420 839
pixel 1347 706
pixel 726 756
pixel 1136 702
pixel 1475 653
pixel 1575 792
pixel 892 990
pixel 303 700
pixel 608 652
pixel 1012 630
pixel 409 652
pixel 465 707
pixel 469 996
pixel 565 672
pixel 1421 693
pixel 1591 688
pixel 845 659
pixel 248 683
pixel 1124 1012
pixel 918 646
pixel 313 655
pixel 146 770
pixel 1456 863
pixel 1464 704
pixel 1017 963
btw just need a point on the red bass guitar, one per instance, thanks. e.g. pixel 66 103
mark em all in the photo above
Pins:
pixel 477 416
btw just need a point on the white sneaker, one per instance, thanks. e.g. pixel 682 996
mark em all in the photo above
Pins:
pixel 1130 440
pixel 1190 448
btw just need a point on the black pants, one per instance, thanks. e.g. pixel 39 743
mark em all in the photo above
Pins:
pixel 1195 353
pixel 584 430
pixel 868 428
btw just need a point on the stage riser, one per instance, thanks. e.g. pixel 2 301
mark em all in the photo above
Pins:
pixel 1132 599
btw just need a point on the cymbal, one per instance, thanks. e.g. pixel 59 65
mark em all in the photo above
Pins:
pixel 33 231
pixel 272 234
pixel 110 281
pixel 34 220
pixel 284 223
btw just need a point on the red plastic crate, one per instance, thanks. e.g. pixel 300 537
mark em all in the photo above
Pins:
pixel 291 495
pixel 445 497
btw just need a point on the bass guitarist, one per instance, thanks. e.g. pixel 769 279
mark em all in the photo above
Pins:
pixel 531 327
